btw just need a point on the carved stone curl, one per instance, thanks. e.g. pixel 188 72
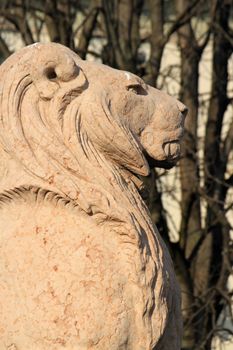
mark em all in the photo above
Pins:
pixel 81 264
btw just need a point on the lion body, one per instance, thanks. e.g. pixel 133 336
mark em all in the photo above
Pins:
pixel 67 282
pixel 82 265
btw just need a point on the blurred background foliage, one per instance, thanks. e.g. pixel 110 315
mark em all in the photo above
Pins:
pixel 184 47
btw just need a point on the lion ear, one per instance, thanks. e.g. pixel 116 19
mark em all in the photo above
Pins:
pixel 115 139
pixel 52 67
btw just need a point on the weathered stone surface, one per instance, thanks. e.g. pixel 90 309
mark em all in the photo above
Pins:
pixel 81 265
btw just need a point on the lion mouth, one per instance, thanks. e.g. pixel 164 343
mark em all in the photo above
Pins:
pixel 172 150
pixel 172 153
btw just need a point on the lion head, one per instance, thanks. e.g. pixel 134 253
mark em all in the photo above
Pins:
pixel 59 114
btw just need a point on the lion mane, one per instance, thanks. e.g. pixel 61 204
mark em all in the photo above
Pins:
pixel 64 140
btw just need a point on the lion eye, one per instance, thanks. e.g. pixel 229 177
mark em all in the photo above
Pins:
pixel 137 89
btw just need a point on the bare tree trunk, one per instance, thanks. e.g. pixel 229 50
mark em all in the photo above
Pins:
pixel 59 21
pixel 190 229
pixel 88 28
pixel 215 168
pixel 157 40
pixel 122 27
pixel 190 57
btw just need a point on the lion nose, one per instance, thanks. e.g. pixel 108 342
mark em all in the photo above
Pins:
pixel 182 108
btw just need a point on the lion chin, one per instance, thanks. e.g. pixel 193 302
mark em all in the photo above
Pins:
pixel 82 265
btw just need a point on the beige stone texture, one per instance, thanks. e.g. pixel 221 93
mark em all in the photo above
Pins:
pixel 81 264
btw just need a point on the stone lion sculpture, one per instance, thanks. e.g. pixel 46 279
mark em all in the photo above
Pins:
pixel 81 264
